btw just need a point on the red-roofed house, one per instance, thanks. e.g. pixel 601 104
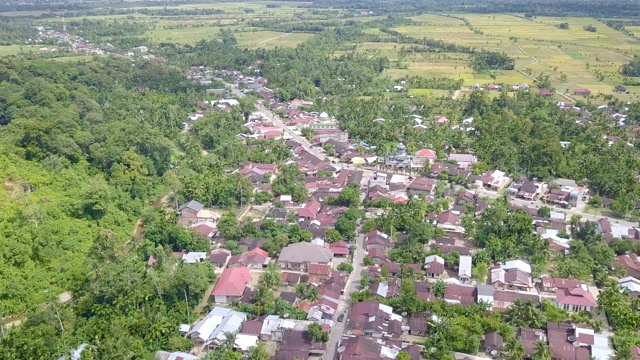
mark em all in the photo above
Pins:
pixel 309 210
pixel 576 299
pixel 545 92
pixel 423 158
pixel 631 263
pixel 340 248
pixel 319 271
pixel 231 284
pixel 152 261
pixel 582 92
pixel 256 258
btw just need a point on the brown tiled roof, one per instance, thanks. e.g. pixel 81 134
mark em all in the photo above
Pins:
pixel 319 269
pixel 418 324
pixel 251 327
pixel 514 276
pixel 291 355
pixel 289 296
pixel 465 294
pixel 251 243
pixel 361 346
pixel 377 253
pixel 290 277
pixel 218 257
pixel 422 184
pixel 629 261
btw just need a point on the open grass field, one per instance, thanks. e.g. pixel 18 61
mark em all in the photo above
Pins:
pixel 270 39
pixel 11 50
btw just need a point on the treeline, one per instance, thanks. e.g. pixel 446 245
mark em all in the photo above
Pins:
pixel 16 32
pixel 418 82
pixel 625 8
pixel 93 29
pixel 491 60
pixel 632 68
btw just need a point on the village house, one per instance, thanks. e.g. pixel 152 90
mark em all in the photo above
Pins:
pixel 318 272
pixel 309 210
pixel 248 244
pixel 492 344
pixel 257 173
pixel 373 319
pixel 434 266
pixel 377 240
pixel 219 258
pixel 575 299
pixel 631 284
pixel 545 92
pixel 194 212
pixel 464 161
pixel 464 269
pixel 254 258
pixel 495 180
pixel 465 295
pixel 300 255
pixel 212 330
pixel 450 221
pixel 424 157
pixel 231 284
pixel 296 344
pixel 377 255
pixel 206 228
pixel 340 248
pixel 527 190
pixel 421 186
pixel 630 263
pixel 581 92
pixel 512 275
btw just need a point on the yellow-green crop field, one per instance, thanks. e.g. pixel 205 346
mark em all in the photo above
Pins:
pixel 573 58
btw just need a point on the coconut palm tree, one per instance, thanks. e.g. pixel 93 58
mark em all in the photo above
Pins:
pixel 513 349
pixel 542 352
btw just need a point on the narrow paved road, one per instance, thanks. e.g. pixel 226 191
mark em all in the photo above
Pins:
pixel 352 285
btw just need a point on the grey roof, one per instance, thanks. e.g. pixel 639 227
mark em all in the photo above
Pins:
pixel 192 205
pixel 485 290
pixel 465 266
pixel 305 252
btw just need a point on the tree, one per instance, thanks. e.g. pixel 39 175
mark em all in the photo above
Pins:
pixel 513 349
pixel 542 352
pixel 316 333
pixel 228 227
pixel 595 201
pixel 403 355
pixel 307 133
pixel 259 352
pixel 438 288
pixel 368 260
pixel 524 314
pixel 332 235
pixel 544 211
pixel 271 276
pixel 346 267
